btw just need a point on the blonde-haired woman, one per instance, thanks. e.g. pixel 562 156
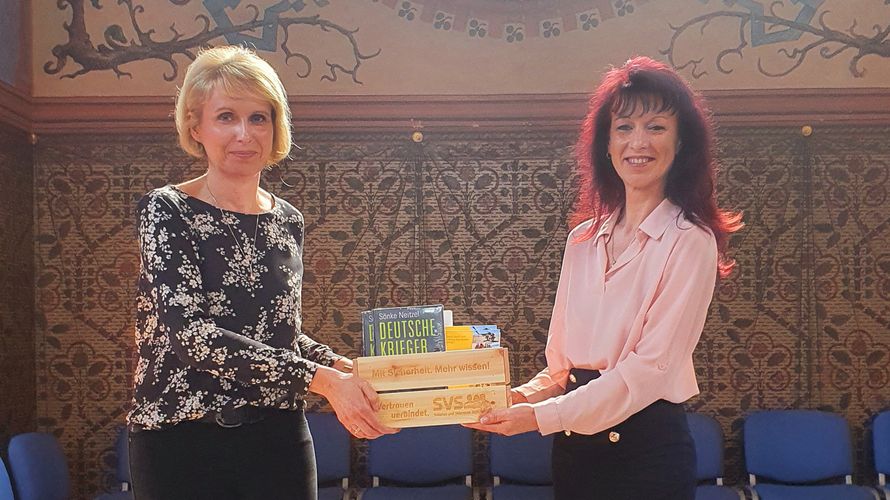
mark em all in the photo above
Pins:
pixel 223 363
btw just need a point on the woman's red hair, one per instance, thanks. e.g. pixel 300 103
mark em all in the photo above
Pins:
pixel 691 180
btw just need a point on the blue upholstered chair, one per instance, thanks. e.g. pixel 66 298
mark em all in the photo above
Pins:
pixel 881 441
pixel 521 467
pixel 418 462
pixel 331 442
pixel 708 438
pixel 122 468
pixel 38 467
pixel 5 483
pixel 794 449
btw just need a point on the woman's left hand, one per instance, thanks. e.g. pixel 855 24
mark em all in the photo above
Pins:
pixel 516 419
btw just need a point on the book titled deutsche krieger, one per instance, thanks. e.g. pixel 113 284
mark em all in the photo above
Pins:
pixel 403 330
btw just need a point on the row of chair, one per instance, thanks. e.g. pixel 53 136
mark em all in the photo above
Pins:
pixel 789 455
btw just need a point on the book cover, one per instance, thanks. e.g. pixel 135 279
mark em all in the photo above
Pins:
pixel 368 336
pixel 485 336
pixel 458 338
pixel 404 330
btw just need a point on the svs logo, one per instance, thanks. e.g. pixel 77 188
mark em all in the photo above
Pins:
pixel 460 402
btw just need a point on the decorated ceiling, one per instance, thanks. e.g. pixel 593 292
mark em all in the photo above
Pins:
pixel 461 47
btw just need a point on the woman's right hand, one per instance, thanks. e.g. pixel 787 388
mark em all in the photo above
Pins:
pixel 354 401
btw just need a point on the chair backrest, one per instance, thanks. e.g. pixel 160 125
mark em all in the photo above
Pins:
pixel 708 438
pixel 422 455
pixel 797 446
pixel 331 446
pixel 881 441
pixel 122 449
pixel 523 458
pixel 5 483
pixel 38 466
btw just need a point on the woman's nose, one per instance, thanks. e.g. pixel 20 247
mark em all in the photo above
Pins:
pixel 639 139
pixel 242 132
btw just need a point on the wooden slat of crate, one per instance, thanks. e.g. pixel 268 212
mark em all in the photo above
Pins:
pixel 440 406
pixel 435 369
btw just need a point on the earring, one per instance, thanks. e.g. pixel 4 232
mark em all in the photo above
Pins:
pixel 608 155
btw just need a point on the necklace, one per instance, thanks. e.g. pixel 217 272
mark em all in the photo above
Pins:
pixel 613 254
pixel 246 259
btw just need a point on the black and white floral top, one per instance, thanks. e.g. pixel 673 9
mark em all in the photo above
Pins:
pixel 218 322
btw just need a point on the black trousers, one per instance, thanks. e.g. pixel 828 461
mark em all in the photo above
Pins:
pixel 270 459
pixel 652 456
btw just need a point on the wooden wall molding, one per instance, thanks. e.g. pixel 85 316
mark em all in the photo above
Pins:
pixel 783 107
pixel 15 107
pixel 129 115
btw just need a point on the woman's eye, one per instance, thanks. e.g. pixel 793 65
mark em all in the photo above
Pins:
pixel 258 118
pixel 657 128
pixel 624 127
pixel 225 116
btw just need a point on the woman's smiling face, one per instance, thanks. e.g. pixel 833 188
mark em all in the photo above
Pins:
pixel 643 145
pixel 236 132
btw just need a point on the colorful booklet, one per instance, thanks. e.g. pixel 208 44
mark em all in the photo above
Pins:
pixel 486 336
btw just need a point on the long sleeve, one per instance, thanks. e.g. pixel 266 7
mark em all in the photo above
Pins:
pixel 317 352
pixel 652 358
pixel 542 386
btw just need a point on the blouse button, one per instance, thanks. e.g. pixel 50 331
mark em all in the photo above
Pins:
pixel 572 378
pixel 568 433
pixel 614 437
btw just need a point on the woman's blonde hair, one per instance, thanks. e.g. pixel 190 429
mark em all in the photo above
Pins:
pixel 238 71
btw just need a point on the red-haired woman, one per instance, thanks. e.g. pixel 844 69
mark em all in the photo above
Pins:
pixel 637 278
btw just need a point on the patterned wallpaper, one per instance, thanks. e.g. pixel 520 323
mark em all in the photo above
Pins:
pixel 16 285
pixel 476 221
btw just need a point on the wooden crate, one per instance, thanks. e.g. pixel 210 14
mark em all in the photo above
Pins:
pixel 437 388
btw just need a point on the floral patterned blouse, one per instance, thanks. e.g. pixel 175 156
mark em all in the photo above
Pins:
pixel 218 321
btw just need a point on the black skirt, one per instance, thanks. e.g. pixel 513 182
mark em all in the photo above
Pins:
pixel 649 456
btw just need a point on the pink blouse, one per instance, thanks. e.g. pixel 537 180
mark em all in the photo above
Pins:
pixel 638 323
